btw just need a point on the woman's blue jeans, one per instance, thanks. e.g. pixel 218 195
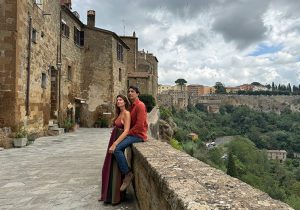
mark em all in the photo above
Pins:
pixel 119 152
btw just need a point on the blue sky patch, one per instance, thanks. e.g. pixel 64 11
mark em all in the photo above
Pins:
pixel 265 49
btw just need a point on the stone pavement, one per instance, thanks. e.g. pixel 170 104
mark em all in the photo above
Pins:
pixel 57 172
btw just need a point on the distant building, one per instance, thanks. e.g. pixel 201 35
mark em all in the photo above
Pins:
pixel 279 155
pixel 246 87
pixel 176 98
pixel 200 90
pixel 232 89
pixel 193 136
pixel 260 88
pixel 296 155
pixel 162 88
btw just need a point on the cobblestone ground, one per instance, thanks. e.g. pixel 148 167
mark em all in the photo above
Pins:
pixel 57 172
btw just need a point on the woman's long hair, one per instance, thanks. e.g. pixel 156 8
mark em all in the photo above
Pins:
pixel 117 109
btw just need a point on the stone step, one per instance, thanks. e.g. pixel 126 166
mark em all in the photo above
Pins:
pixel 53 127
pixel 56 131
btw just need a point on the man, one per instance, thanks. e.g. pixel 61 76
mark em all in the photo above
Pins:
pixel 137 133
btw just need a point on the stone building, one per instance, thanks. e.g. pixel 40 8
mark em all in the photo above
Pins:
pixel 51 62
pixel 279 155
pixel 29 40
pixel 142 67
pixel 162 88
pixel 94 67
pixel 177 98
pixel 200 90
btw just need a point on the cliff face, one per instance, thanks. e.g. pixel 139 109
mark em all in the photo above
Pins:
pixel 258 103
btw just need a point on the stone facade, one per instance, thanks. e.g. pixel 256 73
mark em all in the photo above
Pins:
pixel 31 37
pixel 177 98
pixel 142 68
pixel 71 65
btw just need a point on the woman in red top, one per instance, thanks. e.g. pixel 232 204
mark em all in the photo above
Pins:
pixel 111 174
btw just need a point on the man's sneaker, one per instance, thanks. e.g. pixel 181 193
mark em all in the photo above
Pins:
pixel 127 180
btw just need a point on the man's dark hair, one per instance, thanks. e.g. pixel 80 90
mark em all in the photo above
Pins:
pixel 136 89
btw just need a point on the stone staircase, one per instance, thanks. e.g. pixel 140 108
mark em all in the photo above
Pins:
pixel 53 129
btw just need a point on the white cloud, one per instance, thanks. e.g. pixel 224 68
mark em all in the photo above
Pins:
pixel 207 41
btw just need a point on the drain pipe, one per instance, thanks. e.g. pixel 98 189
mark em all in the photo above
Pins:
pixel 59 72
pixel 28 66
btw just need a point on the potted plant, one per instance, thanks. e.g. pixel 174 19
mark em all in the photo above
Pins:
pixel 20 139
pixel 68 124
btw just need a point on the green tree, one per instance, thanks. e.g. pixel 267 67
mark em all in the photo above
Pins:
pixel 181 82
pixel 220 88
pixel 256 83
pixel 231 168
pixel 148 100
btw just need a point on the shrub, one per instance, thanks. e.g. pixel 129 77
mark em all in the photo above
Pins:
pixel 164 112
pixel 149 101
pixel 21 133
pixel 102 123
pixel 175 144
pixel 67 124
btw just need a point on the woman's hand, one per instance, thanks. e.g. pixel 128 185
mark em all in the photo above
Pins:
pixel 112 148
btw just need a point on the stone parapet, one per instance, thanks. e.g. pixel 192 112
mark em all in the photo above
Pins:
pixel 166 178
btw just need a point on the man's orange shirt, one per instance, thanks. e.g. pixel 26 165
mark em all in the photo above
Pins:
pixel 138 125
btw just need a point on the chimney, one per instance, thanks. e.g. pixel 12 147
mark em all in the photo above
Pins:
pixel 67 3
pixel 134 34
pixel 91 18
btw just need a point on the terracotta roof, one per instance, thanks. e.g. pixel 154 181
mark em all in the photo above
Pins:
pixel 139 74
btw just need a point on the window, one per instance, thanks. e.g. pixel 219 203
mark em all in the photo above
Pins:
pixel 65 29
pixel 69 73
pixel 120 75
pixel 78 36
pixel 39 3
pixel 33 35
pixel 44 80
pixel 119 52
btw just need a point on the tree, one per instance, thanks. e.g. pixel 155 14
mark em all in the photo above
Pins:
pixel 273 86
pixel 289 88
pixel 180 82
pixel 231 168
pixel 256 84
pixel 220 88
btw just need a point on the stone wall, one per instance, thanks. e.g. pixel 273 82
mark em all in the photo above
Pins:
pixel 132 43
pixel 167 179
pixel 43 55
pixel 72 60
pixel 258 103
pixel 101 82
pixel 8 35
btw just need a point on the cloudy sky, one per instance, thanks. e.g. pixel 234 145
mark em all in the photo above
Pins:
pixel 206 41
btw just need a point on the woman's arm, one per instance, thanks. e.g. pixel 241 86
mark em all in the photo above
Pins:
pixel 124 134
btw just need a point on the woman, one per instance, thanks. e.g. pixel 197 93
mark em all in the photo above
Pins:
pixel 111 175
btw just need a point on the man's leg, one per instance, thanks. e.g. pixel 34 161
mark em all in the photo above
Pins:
pixel 119 152
pixel 121 160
